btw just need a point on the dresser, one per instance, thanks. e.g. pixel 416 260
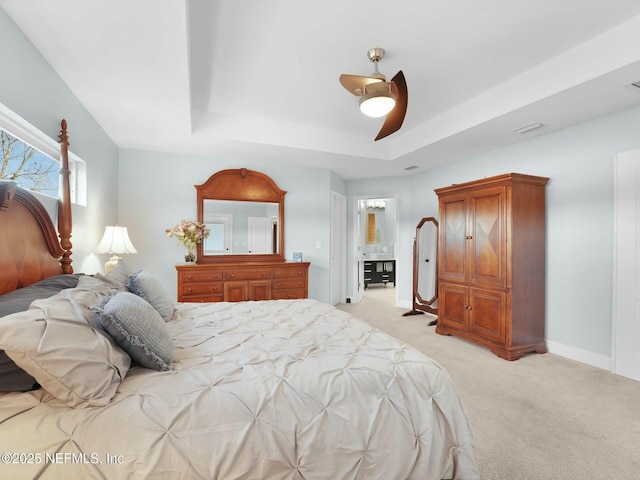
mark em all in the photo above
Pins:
pixel 242 282
pixel 491 263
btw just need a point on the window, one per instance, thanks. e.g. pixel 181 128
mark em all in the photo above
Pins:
pixel 27 166
pixel 29 158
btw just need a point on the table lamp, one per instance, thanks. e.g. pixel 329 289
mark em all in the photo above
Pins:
pixel 115 241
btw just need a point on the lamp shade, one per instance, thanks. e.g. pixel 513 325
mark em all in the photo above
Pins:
pixel 115 240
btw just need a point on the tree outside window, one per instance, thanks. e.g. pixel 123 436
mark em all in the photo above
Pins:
pixel 27 166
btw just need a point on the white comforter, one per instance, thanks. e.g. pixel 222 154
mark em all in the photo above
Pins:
pixel 259 390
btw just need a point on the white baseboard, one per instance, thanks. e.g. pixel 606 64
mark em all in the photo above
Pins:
pixel 579 355
pixel 405 304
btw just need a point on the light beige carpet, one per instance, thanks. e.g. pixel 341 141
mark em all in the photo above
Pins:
pixel 541 417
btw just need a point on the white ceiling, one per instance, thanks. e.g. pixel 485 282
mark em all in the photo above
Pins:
pixel 258 80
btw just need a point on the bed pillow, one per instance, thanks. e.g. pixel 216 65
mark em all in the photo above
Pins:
pixel 118 276
pixel 12 377
pixel 54 343
pixel 144 285
pixel 138 329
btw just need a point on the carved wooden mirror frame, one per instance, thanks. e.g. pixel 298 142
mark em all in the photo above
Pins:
pixel 242 185
pixel 420 303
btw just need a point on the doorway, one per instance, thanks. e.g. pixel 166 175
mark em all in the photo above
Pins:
pixel 376 233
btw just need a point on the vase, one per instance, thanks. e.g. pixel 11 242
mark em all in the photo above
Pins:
pixel 190 255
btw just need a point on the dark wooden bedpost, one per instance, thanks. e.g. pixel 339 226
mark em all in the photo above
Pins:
pixel 64 201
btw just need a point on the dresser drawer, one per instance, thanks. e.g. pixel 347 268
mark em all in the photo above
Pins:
pixel 289 293
pixel 257 274
pixel 292 272
pixel 201 288
pixel 288 283
pixel 201 276
pixel 203 298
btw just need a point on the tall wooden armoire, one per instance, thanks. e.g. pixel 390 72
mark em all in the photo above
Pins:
pixel 491 263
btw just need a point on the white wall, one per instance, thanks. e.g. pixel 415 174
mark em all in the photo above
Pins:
pixel 156 191
pixel 31 89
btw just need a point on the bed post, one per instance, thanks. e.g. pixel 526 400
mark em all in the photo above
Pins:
pixel 64 201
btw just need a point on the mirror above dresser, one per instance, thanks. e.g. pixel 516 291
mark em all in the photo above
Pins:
pixel 244 211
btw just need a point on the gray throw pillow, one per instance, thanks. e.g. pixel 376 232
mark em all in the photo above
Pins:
pixel 144 285
pixel 118 276
pixel 138 329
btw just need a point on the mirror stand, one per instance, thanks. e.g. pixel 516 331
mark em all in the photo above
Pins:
pixel 425 288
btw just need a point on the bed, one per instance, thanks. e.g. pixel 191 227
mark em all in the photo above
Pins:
pixel 105 377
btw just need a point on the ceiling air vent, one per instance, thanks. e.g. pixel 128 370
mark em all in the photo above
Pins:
pixel 528 128
pixel 635 85
pixel 412 167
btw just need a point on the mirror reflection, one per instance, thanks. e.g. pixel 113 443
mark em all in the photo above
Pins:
pixel 425 253
pixel 427 239
pixel 239 227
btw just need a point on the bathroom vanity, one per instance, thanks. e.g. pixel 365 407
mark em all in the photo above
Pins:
pixel 379 271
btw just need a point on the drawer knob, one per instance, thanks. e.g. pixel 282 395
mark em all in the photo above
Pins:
pixel 189 277
pixel 189 290
pixel 233 275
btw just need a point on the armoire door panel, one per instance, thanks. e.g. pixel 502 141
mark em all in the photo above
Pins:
pixel 452 306
pixel 487 233
pixel 452 257
pixel 487 314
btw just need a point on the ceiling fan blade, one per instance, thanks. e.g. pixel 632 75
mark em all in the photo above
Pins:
pixel 356 83
pixel 395 117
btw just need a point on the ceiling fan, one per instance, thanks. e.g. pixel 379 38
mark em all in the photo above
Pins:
pixel 379 97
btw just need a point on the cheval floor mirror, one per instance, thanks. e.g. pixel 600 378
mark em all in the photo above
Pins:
pixel 425 253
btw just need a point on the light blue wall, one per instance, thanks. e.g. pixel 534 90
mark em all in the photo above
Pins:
pixel 31 89
pixel 157 191
pixel 579 162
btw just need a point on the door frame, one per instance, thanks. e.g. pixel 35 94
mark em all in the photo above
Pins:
pixel 622 361
pixel 338 248
pixel 357 277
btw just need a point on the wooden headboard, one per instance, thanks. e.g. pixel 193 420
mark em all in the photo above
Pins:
pixel 31 248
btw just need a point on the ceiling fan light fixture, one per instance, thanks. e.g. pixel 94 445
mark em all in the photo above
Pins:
pixel 379 97
pixel 378 100
pixel 377 106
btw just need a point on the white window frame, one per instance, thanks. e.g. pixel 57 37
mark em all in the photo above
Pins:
pixel 18 127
